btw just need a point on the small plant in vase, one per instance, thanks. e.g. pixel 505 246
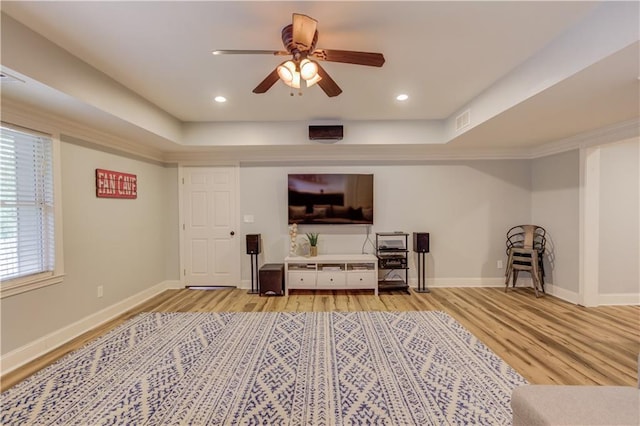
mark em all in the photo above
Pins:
pixel 313 244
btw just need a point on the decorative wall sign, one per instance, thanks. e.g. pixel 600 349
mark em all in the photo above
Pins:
pixel 110 184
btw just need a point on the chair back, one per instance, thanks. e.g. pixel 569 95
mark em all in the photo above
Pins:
pixel 525 250
pixel 528 237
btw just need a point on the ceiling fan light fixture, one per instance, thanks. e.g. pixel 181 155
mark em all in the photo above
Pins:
pixel 286 71
pixel 289 74
pixel 314 80
pixel 308 69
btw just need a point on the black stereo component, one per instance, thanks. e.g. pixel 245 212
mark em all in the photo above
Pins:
pixel 421 242
pixel 272 279
pixel 331 133
pixel 392 262
pixel 254 244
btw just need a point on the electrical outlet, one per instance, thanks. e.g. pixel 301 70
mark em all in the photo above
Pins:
pixel 499 264
pixel 100 291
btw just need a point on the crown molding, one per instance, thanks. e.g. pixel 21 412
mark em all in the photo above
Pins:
pixel 37 119
pixel 604 135
pixel 333 154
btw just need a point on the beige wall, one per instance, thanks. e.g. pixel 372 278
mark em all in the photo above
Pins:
pixel 619 269
pixel 555 206
pixel 126 246
pixel 466 206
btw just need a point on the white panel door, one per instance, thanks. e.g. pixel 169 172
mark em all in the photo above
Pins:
pixel 210 243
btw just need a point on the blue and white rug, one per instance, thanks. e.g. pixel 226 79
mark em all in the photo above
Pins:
pixel 323 368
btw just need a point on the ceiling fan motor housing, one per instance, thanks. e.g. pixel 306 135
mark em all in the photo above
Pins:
pixel 298 50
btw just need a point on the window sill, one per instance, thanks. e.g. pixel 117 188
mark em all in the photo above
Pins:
pixel 22 285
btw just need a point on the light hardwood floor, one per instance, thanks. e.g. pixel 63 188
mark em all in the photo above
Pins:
pixel 546 340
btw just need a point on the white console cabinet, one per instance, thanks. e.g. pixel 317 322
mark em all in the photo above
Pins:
pixel 331 272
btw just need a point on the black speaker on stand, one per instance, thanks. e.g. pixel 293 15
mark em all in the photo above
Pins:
pixel 254 247
pixel 421 246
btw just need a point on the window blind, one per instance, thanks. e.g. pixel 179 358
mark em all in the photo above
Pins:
pixel 26 204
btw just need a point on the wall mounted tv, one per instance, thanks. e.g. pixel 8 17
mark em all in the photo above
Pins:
pixel 335 199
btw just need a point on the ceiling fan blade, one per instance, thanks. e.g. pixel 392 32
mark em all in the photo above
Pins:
pixel 327 84
pixel 349 57
pixel 250 52
pixel 266 84
pixel 304 30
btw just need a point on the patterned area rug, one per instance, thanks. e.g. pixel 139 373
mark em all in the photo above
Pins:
pixel 325 368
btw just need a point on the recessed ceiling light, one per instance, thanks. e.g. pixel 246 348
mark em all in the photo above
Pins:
pixel 220 99
pixel 402 97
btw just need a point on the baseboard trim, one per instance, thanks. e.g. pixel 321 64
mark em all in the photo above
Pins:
pixel 561 293
pixel 20 356
pixel 173 285
pixel 549 288
pixel 245 284
pixel 619 299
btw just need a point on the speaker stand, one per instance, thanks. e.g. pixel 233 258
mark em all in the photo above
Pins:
pixel 254 272
pixel 422 282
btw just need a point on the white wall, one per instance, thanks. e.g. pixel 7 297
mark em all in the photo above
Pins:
pixel 126 246
pixel 555 207
pixel 619 268
pixel 466 206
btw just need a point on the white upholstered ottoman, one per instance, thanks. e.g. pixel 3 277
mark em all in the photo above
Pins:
pixel 575 405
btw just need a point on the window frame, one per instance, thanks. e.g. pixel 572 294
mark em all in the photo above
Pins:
pixel 23 284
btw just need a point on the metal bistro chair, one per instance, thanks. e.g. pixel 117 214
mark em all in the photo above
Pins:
pixel 525 250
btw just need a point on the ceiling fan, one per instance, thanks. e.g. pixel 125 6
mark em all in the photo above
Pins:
pixel 299 38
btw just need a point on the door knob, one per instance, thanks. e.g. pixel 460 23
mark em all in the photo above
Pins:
pixel 232 233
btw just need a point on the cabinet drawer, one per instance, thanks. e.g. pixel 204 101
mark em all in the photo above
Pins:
pixel 361 279
pixel 301 279
pixel 331 279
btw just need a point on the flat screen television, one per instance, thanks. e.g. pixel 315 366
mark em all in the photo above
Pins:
pixel 335 199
